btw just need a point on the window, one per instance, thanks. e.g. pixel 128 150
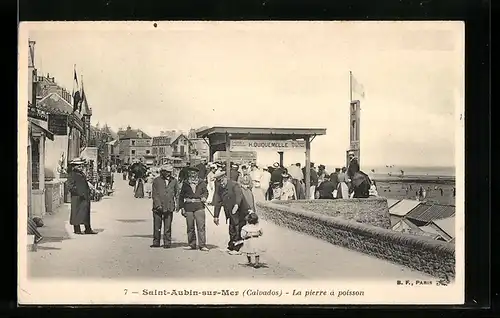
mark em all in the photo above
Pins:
pixel 155 151
pixel 132 152
pixel 182 150
pixel 35 164
pixel 133 142
pixel 147 152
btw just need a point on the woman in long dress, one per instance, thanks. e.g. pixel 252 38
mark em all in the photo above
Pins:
pixel 256 175
pixel 211 183
pixel 342 189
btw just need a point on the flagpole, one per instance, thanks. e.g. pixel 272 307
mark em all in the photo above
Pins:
pixel 350 86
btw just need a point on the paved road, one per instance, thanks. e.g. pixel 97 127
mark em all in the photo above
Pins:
pixel 121 250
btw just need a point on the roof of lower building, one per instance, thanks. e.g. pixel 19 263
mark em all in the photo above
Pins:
pixel 53 103
pixel 427 212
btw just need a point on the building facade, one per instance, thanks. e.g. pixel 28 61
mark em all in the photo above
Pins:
pixel 134 144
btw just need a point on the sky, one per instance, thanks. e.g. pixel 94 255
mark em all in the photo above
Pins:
pixel 183 75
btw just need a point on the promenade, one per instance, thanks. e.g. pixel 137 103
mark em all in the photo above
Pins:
pixel 121 250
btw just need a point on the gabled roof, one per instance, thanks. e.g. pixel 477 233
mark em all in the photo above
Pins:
pixel 178 136
pixel 447 225
pixel 392 202
pixel 55 104
pixel 403 207
pixel 428 212
pixel 132 134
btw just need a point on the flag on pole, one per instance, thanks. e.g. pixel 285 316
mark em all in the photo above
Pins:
pixel 357 88
pixel 83 99
pixel 76 92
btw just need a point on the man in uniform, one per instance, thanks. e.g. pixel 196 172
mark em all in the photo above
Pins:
pixel 228 194
pixel 80 198
pixel 165 203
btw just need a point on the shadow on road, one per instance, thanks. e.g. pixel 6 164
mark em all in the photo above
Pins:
pixel 261 265
pixel 48 248
pixel 131 220
pixel 53 239
pixel 174 244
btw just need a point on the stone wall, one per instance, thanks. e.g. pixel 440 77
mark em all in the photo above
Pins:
pixel 374 211
pixel 423 254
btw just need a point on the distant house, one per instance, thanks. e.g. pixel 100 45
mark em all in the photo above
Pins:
pixel 423 218
pixel 134 144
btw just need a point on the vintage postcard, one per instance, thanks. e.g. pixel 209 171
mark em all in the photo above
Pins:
pixel 245 162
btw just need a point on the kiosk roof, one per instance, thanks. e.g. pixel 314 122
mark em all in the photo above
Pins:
pixel 275 133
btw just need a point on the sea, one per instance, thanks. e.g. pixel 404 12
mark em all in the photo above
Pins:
pixel 408 170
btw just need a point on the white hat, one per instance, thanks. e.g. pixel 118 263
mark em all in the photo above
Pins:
pixel 276 165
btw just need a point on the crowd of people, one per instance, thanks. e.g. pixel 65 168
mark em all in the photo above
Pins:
pixel 195 189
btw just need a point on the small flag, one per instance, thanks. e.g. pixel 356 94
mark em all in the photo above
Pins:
pixel 76 92
pixel 357 88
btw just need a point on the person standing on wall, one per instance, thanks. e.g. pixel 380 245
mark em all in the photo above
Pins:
pixel 192 198
pixel 80 198
pixel 165 203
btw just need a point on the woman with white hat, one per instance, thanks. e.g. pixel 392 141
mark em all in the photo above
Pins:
pixel 288 189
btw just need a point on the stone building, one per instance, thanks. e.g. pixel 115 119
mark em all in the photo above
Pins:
pixel 133 144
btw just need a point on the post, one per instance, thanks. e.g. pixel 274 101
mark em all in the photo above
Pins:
pixel 350 86
pixel 308 167
pixel 29 176
pixel 281 157
pixel 228 154
pixel 41 162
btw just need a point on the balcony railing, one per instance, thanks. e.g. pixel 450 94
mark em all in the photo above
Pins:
pixel 34 112
pixel 179 154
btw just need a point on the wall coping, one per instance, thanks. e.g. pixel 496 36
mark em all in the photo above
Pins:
pixel 364 229
pixel 330 200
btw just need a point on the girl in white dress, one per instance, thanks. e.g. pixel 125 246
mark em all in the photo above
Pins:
pixel 253 245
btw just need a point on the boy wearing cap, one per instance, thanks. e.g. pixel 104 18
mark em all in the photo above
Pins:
pixel 165 203
pixel 192 198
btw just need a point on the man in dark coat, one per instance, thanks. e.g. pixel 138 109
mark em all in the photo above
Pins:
pixel 165 202
pixel 353 167
pixel 228 195
pixel 326 188
pixel 334 177
pixel 202 169
pixel 313 181
pixel 192 198
pixel 183 174
pixel 234 173
pixel 80 198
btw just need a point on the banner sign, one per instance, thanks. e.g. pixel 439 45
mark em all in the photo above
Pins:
pixel 274 145
pixel 58 124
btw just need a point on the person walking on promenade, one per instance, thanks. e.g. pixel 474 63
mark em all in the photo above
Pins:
pixel 288 189
pixel 246 190
pixel 80 198
pixel 313 181
pixel 211 183
pixel 265 182
pixel 342 189
pixel 202 169
pixel 234 174
pixel 296 175
pixel 165 203
pixel 228 195
pixel 192 198
pixel 256 179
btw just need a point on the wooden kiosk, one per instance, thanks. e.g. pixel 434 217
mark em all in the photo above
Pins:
pixel 278 139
